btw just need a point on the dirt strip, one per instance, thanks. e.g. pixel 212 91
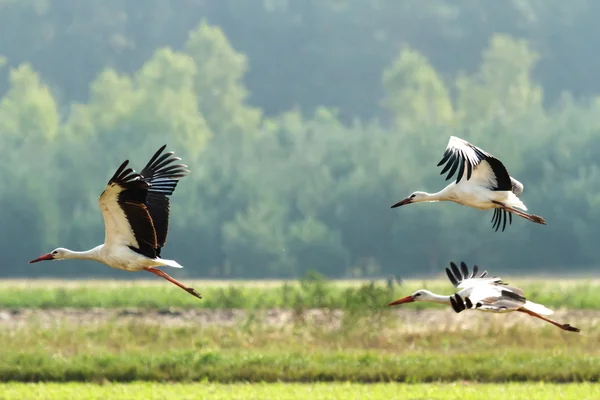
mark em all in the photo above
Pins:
pixel 406 319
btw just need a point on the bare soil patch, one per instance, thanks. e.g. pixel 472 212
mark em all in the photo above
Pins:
pixel 412 321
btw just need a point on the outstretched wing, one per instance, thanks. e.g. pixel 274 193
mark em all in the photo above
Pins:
pixel 480 165
pixel 162 177
pixel 503 301
pixel 479 291
pixel 461 278
pixel 135 207
pixel 126 218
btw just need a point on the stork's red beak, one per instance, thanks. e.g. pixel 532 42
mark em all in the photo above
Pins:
pixel 403 202
pixel 407 299
pixel 42 258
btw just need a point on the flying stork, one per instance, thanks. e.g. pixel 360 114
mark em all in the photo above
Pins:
pixel 135 208
pixel 479 292
pixel 487 184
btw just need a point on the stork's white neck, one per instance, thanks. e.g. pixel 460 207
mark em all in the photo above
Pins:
pixel 91 254
pixel 437 196
pixel 429 297
pixel 436 298
pixel 442 195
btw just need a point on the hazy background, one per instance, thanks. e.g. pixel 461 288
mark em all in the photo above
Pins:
pixel 302 121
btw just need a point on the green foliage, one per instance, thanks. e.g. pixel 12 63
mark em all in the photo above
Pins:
pixel 219 86
pixel 28 111
pixel 415 94
pixel 308 54
pixel 278 194
pixel 502 87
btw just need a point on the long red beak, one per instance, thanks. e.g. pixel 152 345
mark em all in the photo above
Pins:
pixel 407 299
pixel 42 258
pixel 401 203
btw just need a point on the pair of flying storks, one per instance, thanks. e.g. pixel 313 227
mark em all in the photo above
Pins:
pixel 135 207
pixel 486 185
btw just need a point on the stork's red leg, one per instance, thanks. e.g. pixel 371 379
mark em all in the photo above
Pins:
pixel 565 327
pixel 162 274
pixel 531 217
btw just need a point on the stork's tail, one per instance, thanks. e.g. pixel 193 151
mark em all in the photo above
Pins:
pixel 514 202
pixel 537 308
pixel 169 263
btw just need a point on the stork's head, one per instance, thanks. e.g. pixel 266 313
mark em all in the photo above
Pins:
pixel 56 254
pixel 419 295
pixel 416 197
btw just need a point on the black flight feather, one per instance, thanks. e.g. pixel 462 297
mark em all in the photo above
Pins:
pixel 144 201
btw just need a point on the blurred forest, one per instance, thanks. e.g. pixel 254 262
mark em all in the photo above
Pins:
pixel 302 121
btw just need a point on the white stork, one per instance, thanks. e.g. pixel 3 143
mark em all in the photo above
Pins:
pixel 135 208
pixel 484 294
pixel 487 184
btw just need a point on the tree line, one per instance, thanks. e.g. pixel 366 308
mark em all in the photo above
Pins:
pixel 303 53
pixel 279 194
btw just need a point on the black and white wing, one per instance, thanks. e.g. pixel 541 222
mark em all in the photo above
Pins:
pixel 126 218
pixel 462 278
pixel 163 176
pixel 479 291
pixel 479 165
pixel 488 298
pixel 135 207
pixel 501 216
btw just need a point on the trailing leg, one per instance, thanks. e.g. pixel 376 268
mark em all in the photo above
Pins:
pixel 565 327
pixel 162 274
pixel 531 217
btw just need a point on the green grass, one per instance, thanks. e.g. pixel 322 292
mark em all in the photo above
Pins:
pixel 321 391
pixel 360 349
pixel 358 366
pixel 574 294
pixel 366 343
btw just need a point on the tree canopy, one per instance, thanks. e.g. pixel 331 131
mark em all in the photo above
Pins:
pixel 301 123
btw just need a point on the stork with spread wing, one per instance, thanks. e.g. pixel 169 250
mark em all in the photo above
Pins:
pixel 482 182
pixel 483 293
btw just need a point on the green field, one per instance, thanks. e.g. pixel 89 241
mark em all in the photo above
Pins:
pixel 149 391
pixel 574 294
pixel 271 345
pixel 300 332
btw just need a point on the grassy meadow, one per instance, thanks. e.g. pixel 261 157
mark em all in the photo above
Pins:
pixel 414 346
pixel 298 332
pixel 290 340
pixel 582 294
